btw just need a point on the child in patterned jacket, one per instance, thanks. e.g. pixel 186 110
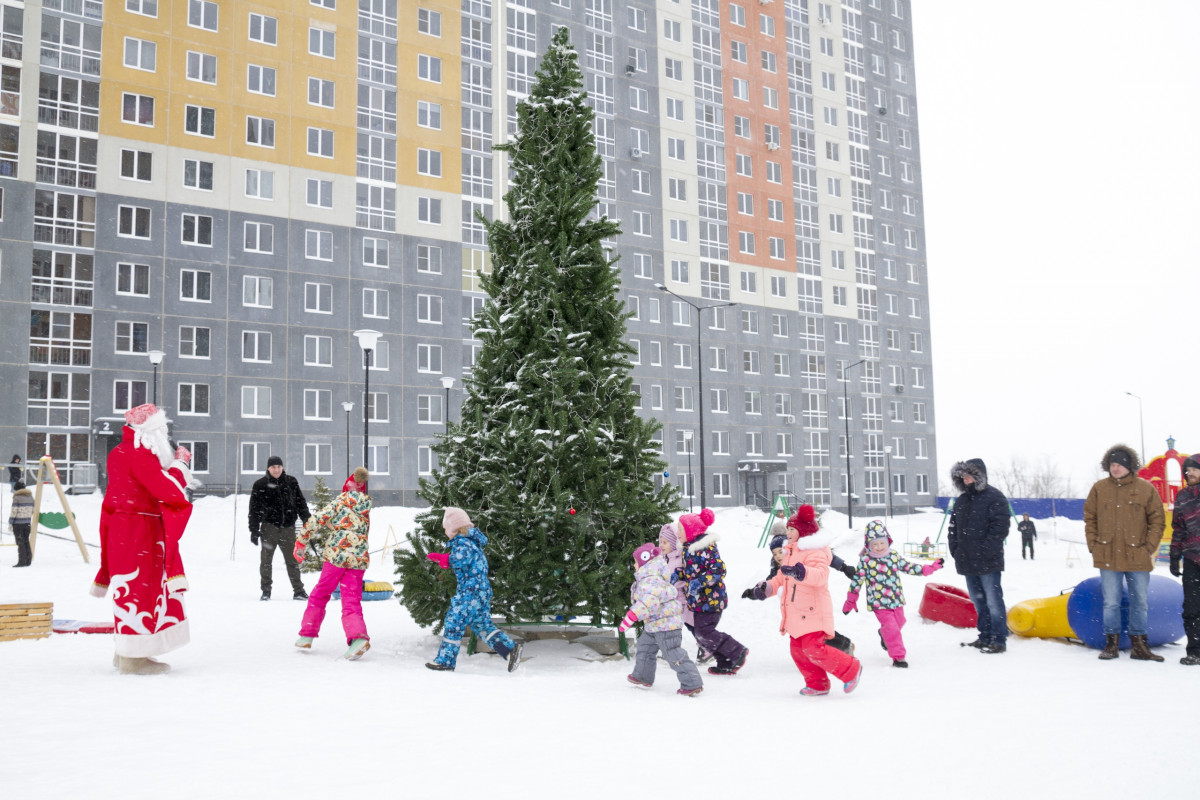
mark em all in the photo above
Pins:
pixel 703 571
pixel 348 519
pixel 879 567
pixel 471 606
pixel 655 604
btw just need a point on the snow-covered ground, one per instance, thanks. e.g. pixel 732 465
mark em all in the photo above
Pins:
pixel 245 714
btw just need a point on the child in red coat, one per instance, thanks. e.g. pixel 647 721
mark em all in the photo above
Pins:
pixel 803 585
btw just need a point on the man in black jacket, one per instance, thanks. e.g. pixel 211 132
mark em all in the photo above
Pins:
pixel 1028 534
pixel 275 502
pixel 978 526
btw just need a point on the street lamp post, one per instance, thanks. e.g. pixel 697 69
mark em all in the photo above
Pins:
pixel 447 384
pixel 887 451
pixel 1141 424
pixel 348 406
pixel 699 377
pixel 846 416
pixel 687 440
pixel 156 357
pixel 367 340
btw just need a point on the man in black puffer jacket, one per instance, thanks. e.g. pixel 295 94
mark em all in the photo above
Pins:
pixel 978 527
pixel 275 502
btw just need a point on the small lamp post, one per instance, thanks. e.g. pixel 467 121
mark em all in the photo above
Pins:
pixel 687 443
pixel 447 384
pixel 367 340
pixel 846 415
pixel 348 406
pixel 887 451
pixel 156 357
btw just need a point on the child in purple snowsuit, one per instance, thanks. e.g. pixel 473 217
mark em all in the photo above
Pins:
pixel 655 604
pixel 879 567
pixel 703 571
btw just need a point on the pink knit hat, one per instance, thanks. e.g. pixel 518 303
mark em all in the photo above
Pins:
pixel 694 525
pixel 645 554
pixel 455 518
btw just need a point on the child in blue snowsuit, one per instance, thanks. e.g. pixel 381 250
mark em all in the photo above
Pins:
pixel 471 606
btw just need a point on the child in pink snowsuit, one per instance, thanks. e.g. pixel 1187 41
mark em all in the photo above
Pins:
pixel 879 567
pixel 348 521
pixel 803 587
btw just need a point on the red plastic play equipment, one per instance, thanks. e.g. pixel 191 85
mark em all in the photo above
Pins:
pixel 948 604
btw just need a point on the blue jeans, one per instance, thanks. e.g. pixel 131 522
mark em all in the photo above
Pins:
pixel 988 597
pixel 1110 587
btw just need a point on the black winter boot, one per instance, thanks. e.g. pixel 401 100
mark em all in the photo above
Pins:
pixel 1110 651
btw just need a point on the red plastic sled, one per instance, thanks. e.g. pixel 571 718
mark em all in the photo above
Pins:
pixel 948 604
pixel 79 626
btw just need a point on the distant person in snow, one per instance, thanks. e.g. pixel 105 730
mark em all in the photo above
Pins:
pixel 1123 519
pixel 14 472
pixel 1185 555
pixel 471 606
pixel 20 520
pixel 1028 533
pixel 978 527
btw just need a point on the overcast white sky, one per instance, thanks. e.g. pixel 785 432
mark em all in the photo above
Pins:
pixel 1061 167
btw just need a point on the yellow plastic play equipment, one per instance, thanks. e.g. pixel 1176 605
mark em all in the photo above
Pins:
pixel 1044 618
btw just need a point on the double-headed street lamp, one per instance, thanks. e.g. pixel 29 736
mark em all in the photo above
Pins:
pixel 846 416
pixel 699 376
pixel 367 340
pixel 156 357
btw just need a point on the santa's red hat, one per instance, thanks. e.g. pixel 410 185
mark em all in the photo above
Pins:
pixel 804 521
pixel 145 417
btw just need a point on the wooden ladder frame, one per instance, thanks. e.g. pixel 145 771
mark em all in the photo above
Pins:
pixel 47 473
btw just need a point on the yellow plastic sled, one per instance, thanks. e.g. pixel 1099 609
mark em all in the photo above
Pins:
pixel 1044 618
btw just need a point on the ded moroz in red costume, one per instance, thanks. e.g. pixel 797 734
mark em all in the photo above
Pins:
pixel 142 519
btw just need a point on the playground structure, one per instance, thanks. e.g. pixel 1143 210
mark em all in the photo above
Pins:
pixel 1165 474
pixel 47 473
pixel 1078 614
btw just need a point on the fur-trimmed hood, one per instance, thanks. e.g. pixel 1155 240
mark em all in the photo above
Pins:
pixel 1106 462
pixel 815 541
pixel 973 467
pixel 703 542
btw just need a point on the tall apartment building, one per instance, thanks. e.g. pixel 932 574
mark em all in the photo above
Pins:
pixel 242 185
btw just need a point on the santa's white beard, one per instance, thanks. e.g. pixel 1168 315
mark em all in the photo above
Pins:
pixel 157 441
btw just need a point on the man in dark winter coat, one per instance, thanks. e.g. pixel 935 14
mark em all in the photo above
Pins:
pixel 1124 521
pixel 275 502
pixel 978 527
pixel 1028 534
pixel 1185 555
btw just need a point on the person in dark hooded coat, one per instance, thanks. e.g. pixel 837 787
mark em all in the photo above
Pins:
pixel 978 526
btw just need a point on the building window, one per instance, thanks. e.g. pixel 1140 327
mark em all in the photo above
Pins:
pixel 318 298
pixel 320 142
pixel 257 291
pixel 260 131
pixel 321 43
pixel 318 351
pixel 133 279
pixel 429 162
pixel 256 346
pixel 137 109
pixel 429 115
pixel 194 342
pixel 197 229
pixel 195 286
pixel 260 80
pixel 193 399
pixel 318 404
pixel 429 358
pixel 319 193
pixel 429 22
pixel 429 68
pixel 200 121
pixel 256 402
pixel 258 237
pixel 375 303
pixel 254 457
pixel 128 394
pixel 375 252
pixel 131 337
pixel 429 309
pixel 264 29
pixel 429 409
pixel 429 209
pixel 202 14
pixel 133 222
pixel 146 8
pixel 198 174
pixel 318 245
pixel 918 412
pixel 201 67
pixel 429 259
pixel 318 459
pixel 140 54
pixel 199 451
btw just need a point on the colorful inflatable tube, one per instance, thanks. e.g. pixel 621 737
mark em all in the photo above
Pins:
pixel 1079 614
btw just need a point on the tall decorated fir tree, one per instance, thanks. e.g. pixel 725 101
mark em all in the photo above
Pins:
pixel 549 457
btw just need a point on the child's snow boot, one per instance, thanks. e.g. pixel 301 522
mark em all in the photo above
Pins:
pixel 852 684
pixel 810 692
pixel 305 642
pixel 899 662
pixel 357 648
pixel 637 682
pixel 690 692
pixel 446 657
pixel 514 658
